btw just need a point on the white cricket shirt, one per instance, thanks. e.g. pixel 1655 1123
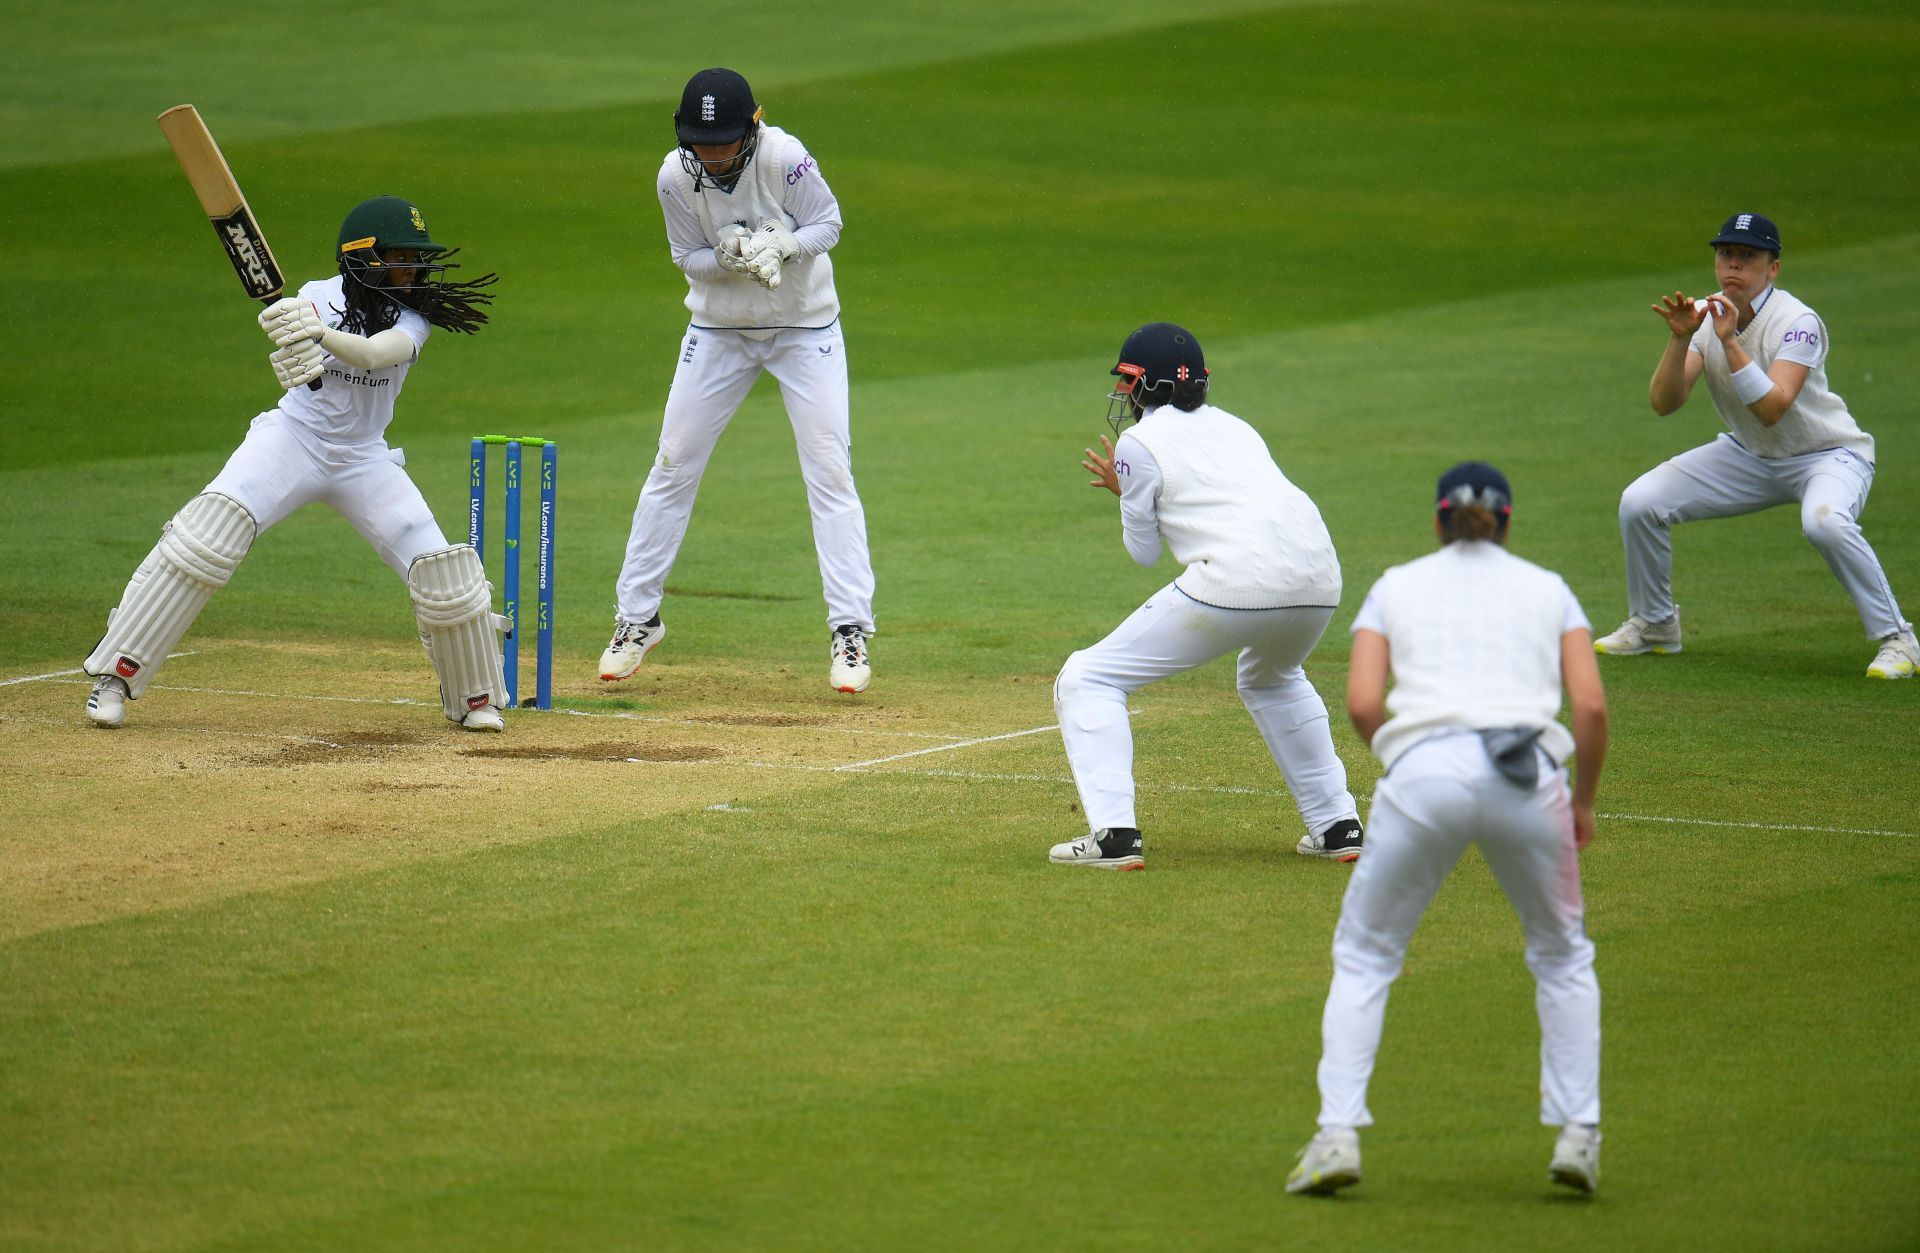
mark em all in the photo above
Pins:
pixel 353 406
pixel 782 183
pixel 1783 329
pixel 1473 640
pixel 1206 484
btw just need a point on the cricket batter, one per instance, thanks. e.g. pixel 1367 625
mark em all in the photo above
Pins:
pixel 750 220
pixel 360 332
pixel 1789 440
pixel 1261 579
pixel 1480 645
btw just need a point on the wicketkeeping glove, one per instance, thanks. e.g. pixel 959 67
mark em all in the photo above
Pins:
pixel 292 321
pixel 773 235
pixel 732 249
pixel 768 248
pixel 295 365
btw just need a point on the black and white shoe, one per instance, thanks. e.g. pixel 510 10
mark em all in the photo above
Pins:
pixel 1110 848
pixel 107 703
pixel 1341 842
pixel 632 641
pixel 848 669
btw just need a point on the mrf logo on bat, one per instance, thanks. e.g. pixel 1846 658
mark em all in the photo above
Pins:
pixel 249 254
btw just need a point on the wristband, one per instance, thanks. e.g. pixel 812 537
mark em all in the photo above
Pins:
pixel 1750 383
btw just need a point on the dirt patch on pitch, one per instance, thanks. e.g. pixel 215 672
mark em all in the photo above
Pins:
pixel 335 746
pixel 610 751
pixel 762 720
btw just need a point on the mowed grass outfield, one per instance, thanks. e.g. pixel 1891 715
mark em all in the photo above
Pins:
pixel 719 959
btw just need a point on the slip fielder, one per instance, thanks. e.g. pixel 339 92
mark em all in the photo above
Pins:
pixel 1789 440
pixel 363 330
pixel 750 220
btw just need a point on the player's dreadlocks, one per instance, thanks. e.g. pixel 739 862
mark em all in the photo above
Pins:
pixel 372 306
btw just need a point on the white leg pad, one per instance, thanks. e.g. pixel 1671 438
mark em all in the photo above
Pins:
pixel 453 603
pixel 197 553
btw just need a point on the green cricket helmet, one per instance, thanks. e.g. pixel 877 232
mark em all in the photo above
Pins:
pixel 381 225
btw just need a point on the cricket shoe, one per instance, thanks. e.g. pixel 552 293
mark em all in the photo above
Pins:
pixel 107 703
pixel 1341 841
pixel 848 669
pixel 1898 658
pixel 632 641
pixel 1576 1158
pixel 485 718
pixel 1329 1162
pixel 1110 848
pixel 1636 635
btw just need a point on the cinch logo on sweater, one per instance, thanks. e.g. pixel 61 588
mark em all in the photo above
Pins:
pixel 799 172
pixel 1799 337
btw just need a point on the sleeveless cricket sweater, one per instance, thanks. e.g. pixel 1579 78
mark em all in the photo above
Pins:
pixel 1249 538
pixel 805 297
pixel 1474 638
pixel 1817 419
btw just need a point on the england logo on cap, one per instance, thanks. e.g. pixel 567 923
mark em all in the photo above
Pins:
pixel 706 108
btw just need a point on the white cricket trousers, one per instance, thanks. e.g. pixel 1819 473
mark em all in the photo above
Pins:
pixel 1724 480
pixel 278 468
pixel 716 371
pixel 1441 795
pixel 1171 633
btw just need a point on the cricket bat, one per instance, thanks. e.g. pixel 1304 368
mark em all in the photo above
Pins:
pixel 219 193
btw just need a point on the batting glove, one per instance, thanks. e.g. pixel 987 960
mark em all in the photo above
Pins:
pixel 295 365
pixel 289 322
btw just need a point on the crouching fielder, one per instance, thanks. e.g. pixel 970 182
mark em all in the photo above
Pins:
pixel 358 332
pixel 1479 643
pixel 1261 580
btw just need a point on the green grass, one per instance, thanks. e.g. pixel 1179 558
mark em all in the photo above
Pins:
pixel 858 1009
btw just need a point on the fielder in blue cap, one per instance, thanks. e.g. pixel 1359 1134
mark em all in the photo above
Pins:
pixel 1790 439
pixel 1480 646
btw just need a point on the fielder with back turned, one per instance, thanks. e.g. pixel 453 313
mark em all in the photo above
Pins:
pixel 362 330
pixel 750 220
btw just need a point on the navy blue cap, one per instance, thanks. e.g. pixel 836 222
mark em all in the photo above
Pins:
pixel 1475 483
pixel 1161 352
pixel 1750 229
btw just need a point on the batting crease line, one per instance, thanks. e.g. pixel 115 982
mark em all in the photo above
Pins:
pixel 571 713
pixel 250 735
pixel 61 674
pixel 947 748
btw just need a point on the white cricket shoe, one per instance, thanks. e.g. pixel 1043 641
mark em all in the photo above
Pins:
pixel 485 718
pixel 847 667
pixel 1636 635
pixel 1576 1158
pixel 107 703
pixel 1898 658
pixel 631 642
pixel 1329 1162
pixel 1110 848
